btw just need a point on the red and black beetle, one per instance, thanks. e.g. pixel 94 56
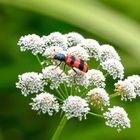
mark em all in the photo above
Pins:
pixel 72 61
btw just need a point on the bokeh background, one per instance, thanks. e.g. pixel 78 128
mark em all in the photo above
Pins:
pixel 115 22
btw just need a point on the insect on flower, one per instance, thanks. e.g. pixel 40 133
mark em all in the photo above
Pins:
pixel 72 61
pixel 74 92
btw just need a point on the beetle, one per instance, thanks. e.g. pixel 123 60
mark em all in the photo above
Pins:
pixel 72 61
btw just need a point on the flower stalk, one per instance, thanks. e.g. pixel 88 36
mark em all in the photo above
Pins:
pixel 38 59
pixel 97 115
pixel 114 95
pixel 59 128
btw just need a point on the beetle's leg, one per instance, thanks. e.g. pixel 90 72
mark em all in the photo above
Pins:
pixel 74 71
pixel 63 69
pixel 74 74
pixel 58 65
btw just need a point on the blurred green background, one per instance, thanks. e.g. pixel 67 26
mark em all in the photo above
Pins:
pixel 115 22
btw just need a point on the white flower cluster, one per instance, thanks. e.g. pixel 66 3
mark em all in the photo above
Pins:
pixel 73 39
pixel 30 82
pixel 110 61
pixel 117 117
pixel 55 76
pixel 45 102
pixel 91 78
pixel 75 106
pixel 135 80
pixel 52 51
pixel 96 78
pixel 78 51
pixel 114 68
pixel 55 39
pixel 108 52
pixel 31 42
pixel 128 88
pixel 92 47
pixel 125 89
pixel 89 83
pixel 98 97
pixel 79 77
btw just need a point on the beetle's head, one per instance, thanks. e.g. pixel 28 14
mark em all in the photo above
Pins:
pixel 60 57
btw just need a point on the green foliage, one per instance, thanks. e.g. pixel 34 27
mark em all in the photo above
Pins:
pixel 115 22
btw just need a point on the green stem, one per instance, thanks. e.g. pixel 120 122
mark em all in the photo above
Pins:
pixel 39 60
pixel 114 95
pixel 59 128
pixel 75 91
pixel 59 93
pixel 66 90
pixel 61 100
pixel 84 92
pixel 62 91
pixel 94 114
pixel 71 90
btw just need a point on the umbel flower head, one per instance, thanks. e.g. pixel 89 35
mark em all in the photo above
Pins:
pixel 45 102
pixel 70 72
pixel 98 97
pixel 125 89
pixel 78 51
pixel 108 52
pixel 55 76
pixel 114 68
pixel 96 78
pixel 91 78
pixel 52 51
pixel 92 47
pixel 75 106
pixel 55 39
pixel 30 82
pixel 74 39
pixel 117 117
pixel 135 80
pixel 79 78
pixel 32 42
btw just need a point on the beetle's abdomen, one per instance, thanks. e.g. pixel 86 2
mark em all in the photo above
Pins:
pixel 77 63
